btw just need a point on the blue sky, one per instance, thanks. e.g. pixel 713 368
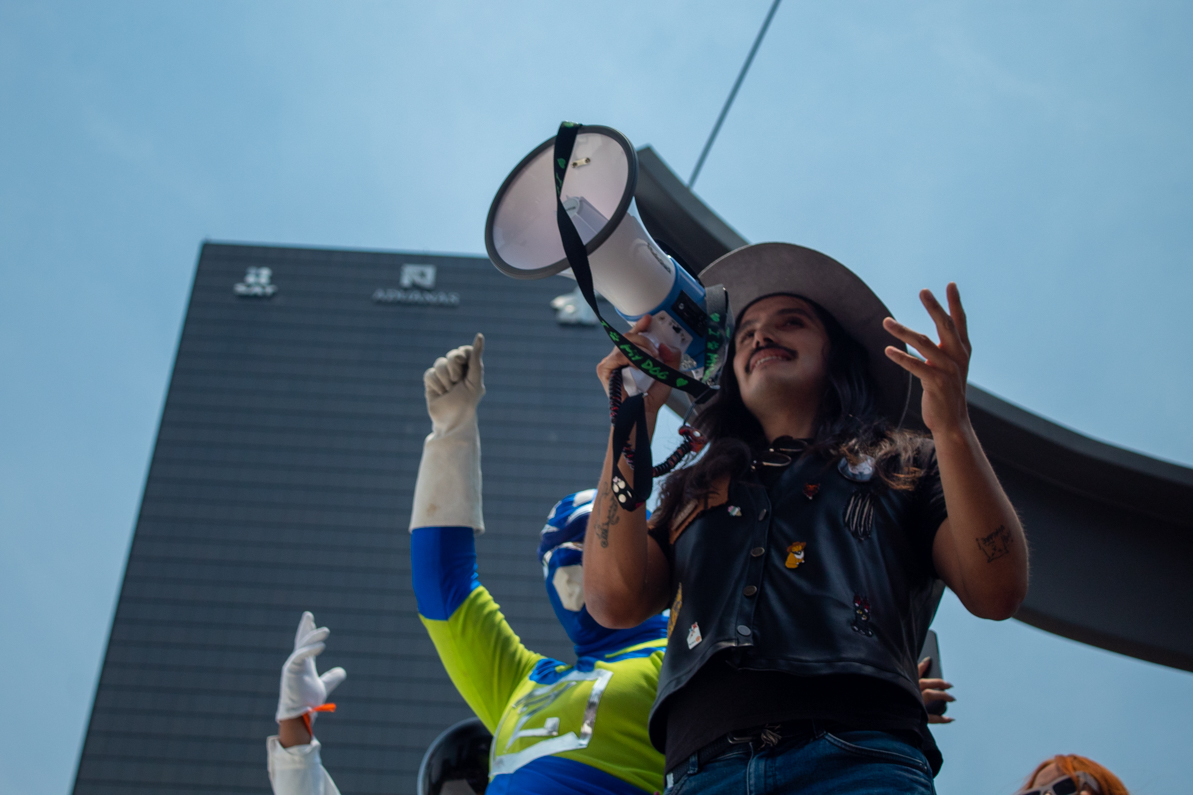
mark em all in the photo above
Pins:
pixel 1037 153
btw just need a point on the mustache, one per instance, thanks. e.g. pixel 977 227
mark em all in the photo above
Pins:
pixel 771 347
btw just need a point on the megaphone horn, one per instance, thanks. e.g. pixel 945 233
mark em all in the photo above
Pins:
pixel 523 239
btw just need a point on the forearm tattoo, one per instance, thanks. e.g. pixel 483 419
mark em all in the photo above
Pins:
pixel 611 516
pixel 996 545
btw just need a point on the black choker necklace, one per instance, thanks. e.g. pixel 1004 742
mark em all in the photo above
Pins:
pixel 772 458
pixel 781 453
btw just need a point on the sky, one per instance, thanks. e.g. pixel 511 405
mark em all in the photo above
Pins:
pixel 1036 153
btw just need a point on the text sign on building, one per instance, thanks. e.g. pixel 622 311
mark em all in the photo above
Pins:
pixel 417 289
pixel 257 284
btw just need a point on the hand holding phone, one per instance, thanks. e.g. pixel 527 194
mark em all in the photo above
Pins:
pixel 933 687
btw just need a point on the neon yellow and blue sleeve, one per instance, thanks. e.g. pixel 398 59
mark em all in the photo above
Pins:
pixel 483 656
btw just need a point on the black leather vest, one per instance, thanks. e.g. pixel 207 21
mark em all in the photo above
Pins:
pixel 825 572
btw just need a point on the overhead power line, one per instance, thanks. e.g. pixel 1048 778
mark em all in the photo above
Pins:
pixel 740 77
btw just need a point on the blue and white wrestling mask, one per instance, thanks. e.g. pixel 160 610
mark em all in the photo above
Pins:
pixel 561 551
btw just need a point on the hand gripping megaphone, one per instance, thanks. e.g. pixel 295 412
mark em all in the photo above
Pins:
pixel 593 182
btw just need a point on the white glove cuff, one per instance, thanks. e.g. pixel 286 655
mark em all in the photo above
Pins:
pixel 294 757
pixel 448 490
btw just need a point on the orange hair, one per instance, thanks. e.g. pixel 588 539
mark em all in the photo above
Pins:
pixel 1108 783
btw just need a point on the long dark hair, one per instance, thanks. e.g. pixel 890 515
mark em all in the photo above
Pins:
pixel 848 424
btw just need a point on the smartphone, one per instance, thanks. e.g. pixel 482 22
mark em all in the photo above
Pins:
pixel 931 650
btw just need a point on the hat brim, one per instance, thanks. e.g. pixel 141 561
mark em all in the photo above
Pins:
pixel 763 269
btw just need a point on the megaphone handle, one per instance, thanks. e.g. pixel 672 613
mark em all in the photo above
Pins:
pixel 635 381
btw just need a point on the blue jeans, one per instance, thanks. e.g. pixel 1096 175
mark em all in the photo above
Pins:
pixel 854 762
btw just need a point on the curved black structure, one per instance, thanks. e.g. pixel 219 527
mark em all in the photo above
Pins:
pixel 1111 531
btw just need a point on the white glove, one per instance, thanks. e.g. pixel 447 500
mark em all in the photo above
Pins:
pixel 303 689
pixel 448 490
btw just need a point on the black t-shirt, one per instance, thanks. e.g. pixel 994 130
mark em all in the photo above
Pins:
pixel 722 698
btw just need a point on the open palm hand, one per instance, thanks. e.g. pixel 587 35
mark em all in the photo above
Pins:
pixel 944 369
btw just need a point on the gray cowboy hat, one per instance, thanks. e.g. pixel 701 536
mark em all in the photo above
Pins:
pixel 753 272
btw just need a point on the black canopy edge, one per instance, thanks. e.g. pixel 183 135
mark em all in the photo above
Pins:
pixel 1095 470
pixel 1104 640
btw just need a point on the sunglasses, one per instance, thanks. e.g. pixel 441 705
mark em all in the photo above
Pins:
pixel 1065 785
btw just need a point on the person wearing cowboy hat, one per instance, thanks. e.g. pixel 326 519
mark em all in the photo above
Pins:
pixel 803 554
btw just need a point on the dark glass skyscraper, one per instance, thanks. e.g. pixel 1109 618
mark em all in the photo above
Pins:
pixel 281 482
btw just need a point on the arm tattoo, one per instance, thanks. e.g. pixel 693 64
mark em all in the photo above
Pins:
pixel 611 517
pixel 996 545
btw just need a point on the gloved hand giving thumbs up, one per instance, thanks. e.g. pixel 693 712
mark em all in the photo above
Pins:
pixel 448 490
pixel 455 385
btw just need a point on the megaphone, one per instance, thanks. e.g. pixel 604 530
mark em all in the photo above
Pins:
pixel 628 267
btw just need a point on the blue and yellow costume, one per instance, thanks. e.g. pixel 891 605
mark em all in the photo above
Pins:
pixel 561 729
pixel 557 728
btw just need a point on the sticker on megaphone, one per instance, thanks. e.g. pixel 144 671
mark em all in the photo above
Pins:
pixel 628 267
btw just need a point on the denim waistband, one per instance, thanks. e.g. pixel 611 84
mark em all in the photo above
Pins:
pixel 775 734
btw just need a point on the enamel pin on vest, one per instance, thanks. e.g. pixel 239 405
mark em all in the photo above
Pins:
pixel 861 472
pixel 676 606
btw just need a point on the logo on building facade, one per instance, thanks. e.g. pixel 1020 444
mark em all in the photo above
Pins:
pixel 418 276
pixel 417 289
pixel 256 284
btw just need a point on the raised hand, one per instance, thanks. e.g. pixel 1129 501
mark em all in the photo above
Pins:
pixel 455 385
pixel 303 689
pixel 979 550
pixel 447 492
pixel 944 369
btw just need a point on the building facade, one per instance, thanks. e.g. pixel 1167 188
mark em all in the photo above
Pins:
pixel 281 481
